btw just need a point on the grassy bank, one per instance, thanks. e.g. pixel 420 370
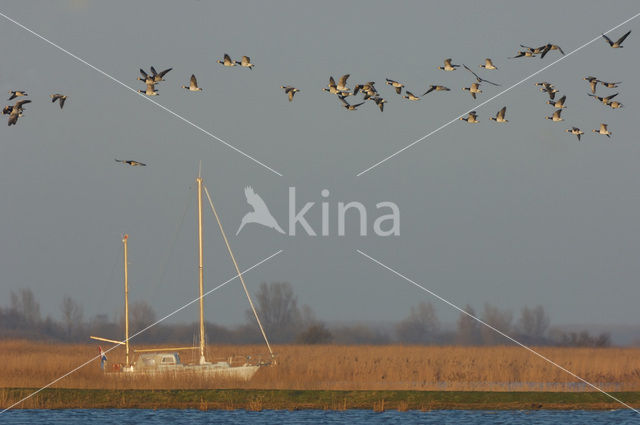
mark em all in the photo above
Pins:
pixel 64 398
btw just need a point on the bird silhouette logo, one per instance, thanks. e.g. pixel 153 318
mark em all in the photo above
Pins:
pixel 260 213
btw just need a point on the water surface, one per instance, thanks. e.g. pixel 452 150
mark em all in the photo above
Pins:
pixel 284 417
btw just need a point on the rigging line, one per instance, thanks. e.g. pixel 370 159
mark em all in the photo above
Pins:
pixel 197 127
pixel 494 329
pixel 165 264
pixel 246 291
pixel 143 330
pixel 490 99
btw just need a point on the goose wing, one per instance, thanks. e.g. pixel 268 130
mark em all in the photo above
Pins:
pixel 431 88
pixel 162 74
pixel 343 81
pixel 501 112
pixel 608 40
pixel 475 75
pixel 561 100
pixel 18 105
pixel 621 39
pixel 193 83
pixel 611 97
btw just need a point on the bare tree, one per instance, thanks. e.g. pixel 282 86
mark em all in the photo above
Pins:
pixel 141 315
pixel 26 305
pixel 468 328
pixel 71 315
pixel 533 324
pixel 421 326
pixel 278 310
pixel 500 320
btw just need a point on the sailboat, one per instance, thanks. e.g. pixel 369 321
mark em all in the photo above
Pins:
pixel 167 360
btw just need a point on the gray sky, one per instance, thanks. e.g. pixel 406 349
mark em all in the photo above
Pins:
pixel 515 214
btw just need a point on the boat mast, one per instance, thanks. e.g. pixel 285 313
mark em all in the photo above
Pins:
pixel 126 300
pixel 200 268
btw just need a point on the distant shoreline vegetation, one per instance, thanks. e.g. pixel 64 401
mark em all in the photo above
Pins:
pixel 288 323
pixel 257 400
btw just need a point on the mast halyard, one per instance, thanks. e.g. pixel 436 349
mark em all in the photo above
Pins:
pixel 200 269
pixel 126 299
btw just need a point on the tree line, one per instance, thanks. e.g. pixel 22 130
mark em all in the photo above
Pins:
pixel 287 322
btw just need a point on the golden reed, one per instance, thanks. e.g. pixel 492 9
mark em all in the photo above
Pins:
pixel 334 367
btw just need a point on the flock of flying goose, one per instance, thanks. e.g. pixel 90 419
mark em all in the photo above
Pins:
pixel 369 91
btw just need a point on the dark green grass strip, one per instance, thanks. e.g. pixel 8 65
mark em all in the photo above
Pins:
pixel 311 399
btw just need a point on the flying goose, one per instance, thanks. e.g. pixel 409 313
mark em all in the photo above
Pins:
pixel 478 78
pixel 16 111
pixel 558 103
pixel 346 104
pixel 436 88
pixel 474 89
pixel 17 93
pixel 157 77
pixel 556 116
pixel 471 118
pixel 610 85
pixel 593 82
pixel 380 102
pixel 500 115
pixel 333 87
pixel 575 131
pixel 534 50
pixel 245 62
pixel 398 86
pixel 150 91
pixel 131 162
pixel 290 91
pixel 488 64
pixel 367 88
pixel 193 84
pixel 551 91
pixel 7 109
pixel 618 43
pixel 448 66
pixel 148 79
pixel 411 96
pixel 549 47
pixel 60 97
pixel 526 54
pixel 603 130
pixel 604 100
pixel 227 61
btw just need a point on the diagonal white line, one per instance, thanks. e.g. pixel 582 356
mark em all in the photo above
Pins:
pixel 397 273
pixel 208 133
pixel 491 98
pixel 143 330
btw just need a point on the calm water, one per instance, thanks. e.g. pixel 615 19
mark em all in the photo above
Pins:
pixel 282 417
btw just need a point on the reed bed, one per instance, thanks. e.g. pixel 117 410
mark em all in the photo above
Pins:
pixel 25 364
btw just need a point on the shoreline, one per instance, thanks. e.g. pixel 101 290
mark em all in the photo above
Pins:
pixel 256 400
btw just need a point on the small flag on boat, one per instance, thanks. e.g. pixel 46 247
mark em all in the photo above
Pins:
pixel 103 357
